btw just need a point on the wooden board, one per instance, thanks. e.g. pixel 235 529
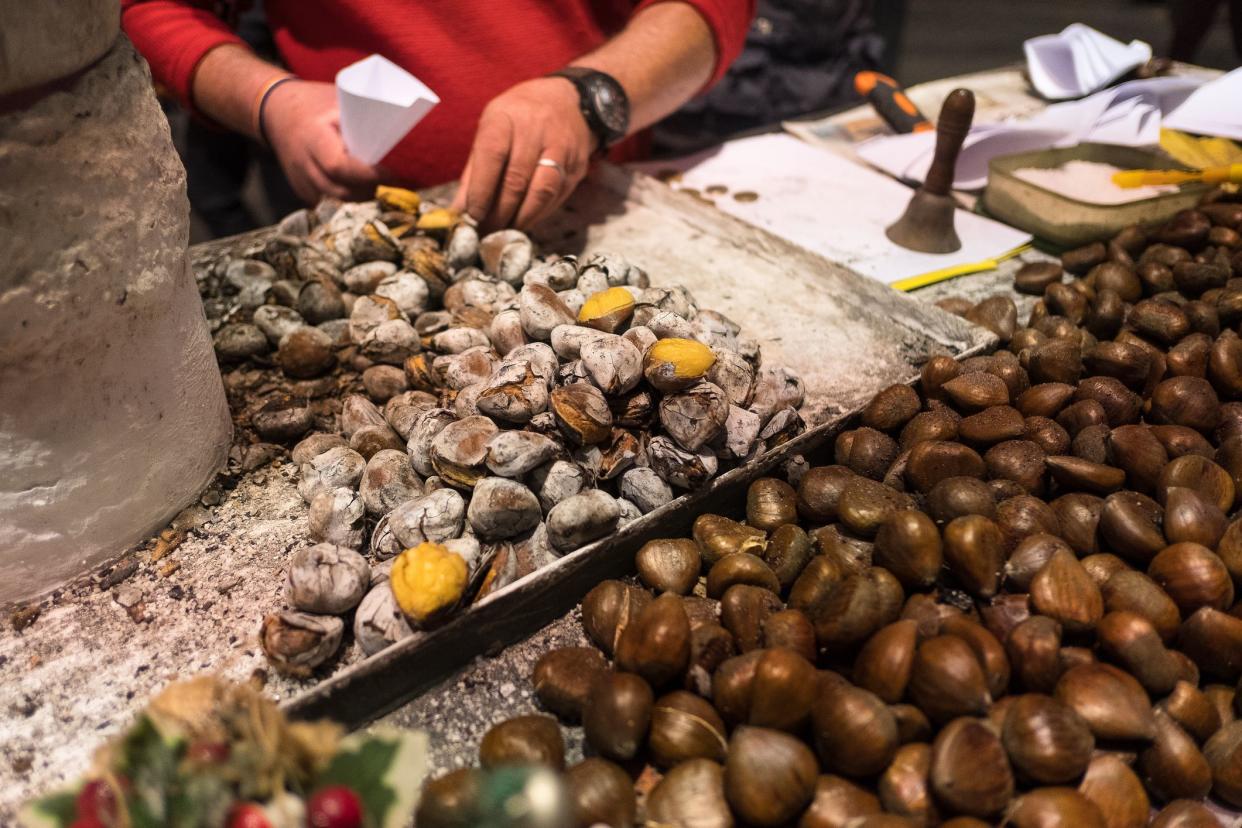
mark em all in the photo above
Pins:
pixel 847 336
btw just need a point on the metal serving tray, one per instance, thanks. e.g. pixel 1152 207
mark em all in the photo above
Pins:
pixel 846 335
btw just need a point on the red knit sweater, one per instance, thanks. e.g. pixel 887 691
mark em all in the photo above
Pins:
pixel 467 51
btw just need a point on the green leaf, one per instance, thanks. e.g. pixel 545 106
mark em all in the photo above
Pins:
pixel 56 810
pixel 385 768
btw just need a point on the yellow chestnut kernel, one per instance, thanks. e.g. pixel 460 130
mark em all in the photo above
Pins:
pixel 426 580
pixel 398 198
pixel 441 218
pixel 607 309
pixel 690 359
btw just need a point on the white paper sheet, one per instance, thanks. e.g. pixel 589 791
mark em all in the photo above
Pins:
pixel 380 102
pixel 828 204
pixel 1129 114
pixel 1080 60
pixel 1213 109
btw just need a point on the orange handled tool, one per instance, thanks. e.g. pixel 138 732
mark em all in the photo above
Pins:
pixel 891 102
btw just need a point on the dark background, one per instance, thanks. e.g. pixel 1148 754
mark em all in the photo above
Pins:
pixel 938 38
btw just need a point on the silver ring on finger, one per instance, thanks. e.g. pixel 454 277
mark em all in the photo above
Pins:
pixel 548 162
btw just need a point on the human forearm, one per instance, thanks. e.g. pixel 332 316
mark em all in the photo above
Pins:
pixel 662 58
pixel 228 84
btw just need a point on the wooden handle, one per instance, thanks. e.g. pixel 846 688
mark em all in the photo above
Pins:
pixel 955 117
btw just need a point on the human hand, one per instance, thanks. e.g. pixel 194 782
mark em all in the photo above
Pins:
pixel 503 183
pixel 302 123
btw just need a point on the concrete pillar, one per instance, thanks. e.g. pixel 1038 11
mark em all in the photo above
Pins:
pixel 112 411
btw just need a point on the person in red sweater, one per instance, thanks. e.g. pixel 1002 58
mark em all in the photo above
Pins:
pixel 519 137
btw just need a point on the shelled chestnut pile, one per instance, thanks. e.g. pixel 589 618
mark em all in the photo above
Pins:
pixel 1011 600
pixel 529 406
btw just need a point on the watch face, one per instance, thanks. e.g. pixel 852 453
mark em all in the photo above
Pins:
pixel 610 106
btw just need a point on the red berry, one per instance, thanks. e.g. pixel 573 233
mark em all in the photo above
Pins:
pixel 248 815
pixel 87 822
pixel 97 800
pixel 334 807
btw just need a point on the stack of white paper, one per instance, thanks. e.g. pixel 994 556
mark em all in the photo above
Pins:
pixel 380 102
pixel 828 204
pixel 1079 61
pixel 1213 109
pixel 1129 114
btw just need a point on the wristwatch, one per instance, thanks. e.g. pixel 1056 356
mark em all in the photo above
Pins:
pixel 603 102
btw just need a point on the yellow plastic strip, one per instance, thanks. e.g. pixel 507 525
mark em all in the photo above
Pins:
pixel 946 273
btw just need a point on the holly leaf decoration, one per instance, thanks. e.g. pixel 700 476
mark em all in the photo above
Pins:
pixel 385 768
pixel 57 810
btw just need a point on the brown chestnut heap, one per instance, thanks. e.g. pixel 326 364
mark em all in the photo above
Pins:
pixel 1011 598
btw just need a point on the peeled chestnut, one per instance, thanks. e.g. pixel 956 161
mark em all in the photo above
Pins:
pixel 524 740
pixel 669 565
pixel 616 717
pixel 656 644
pixel 563 679
pixel 685 726
pixel 600 792
pixel 855 732
pixel 769 776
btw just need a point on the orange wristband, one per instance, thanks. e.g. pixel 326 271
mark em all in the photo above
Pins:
pixel 260 98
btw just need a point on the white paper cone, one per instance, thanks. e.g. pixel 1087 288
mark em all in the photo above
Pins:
pixel 380 102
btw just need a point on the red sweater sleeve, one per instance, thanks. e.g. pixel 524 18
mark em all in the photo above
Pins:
pixel 729 21
pixel 174 35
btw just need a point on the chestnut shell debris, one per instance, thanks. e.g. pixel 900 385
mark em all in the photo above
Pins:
pixel 473 393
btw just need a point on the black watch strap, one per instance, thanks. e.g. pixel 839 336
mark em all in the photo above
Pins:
pixel 602 100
